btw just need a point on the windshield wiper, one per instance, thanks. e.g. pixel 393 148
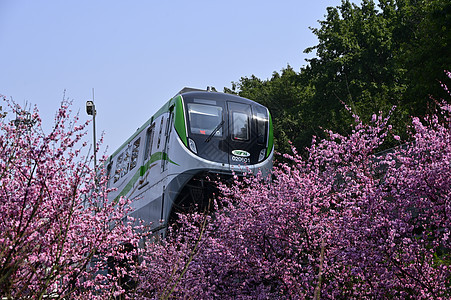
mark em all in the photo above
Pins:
pixel 214 131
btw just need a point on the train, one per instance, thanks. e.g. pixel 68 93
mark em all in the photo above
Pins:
pixel 170 163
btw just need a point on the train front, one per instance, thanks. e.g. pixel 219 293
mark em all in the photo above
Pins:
pixel 220 134
pixel 228 132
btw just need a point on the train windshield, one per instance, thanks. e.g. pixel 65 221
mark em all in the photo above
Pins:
pixel 205 118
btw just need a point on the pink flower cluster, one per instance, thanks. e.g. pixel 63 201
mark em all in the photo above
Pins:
pixel 57 229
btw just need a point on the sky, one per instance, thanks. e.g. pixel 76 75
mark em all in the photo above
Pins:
pixel 137 54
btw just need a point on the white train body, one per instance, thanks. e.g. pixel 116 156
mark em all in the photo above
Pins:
pixel 163 166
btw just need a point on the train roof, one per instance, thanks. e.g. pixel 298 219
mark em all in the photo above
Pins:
pixel 217 96
pixel 188 89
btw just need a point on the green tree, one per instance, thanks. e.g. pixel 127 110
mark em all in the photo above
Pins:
pixel 355 64
pixel 427 51
pixel 373 57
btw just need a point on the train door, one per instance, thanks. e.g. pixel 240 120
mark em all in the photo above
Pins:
pixel 247 136
pixel 167 135
pixel 148 151
pixel 239 138
pixel 148 143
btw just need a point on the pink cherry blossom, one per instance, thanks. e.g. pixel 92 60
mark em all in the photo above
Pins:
pixel 57 228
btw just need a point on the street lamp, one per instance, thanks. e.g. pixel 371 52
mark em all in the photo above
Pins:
pixel 91 111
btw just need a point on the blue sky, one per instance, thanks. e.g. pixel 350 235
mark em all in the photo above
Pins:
pixel 138 54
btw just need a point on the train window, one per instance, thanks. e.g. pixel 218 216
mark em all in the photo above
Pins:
pixel 204 118
pixel 135 153
pixel 108 173
pixel 126 162
pixel 240 121
pixel 149 141
pixel 240 126
pixel 117 174
pixel 159 134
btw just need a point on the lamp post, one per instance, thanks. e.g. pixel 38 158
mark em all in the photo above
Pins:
pixel 91 110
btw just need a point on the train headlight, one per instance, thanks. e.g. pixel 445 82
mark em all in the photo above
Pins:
pixel 262 154
pixel 192 145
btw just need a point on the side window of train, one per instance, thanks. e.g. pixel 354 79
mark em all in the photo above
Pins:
pixel 108 173
pixel 126 161
pixel 149 142
pixel 169 121
pixel 159 134
pixel 135 153
pixel 164 162
pixel 117 174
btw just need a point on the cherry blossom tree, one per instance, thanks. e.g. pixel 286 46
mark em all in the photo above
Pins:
pixel 57 229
